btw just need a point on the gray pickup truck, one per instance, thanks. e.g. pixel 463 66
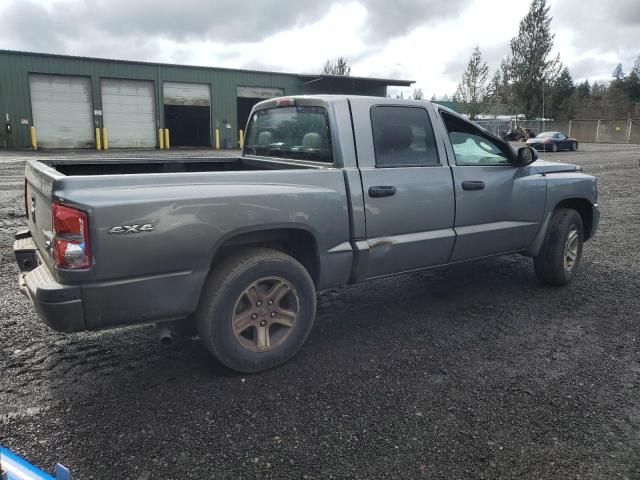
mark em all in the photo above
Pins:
pixel 329 190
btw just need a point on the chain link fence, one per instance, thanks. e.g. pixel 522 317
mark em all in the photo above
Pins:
pixel 586 131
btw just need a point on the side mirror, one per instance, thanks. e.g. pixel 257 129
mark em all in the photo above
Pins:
pixel 526 156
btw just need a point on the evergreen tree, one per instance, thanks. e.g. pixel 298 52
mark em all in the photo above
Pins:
pixel 584 89
pixel 340 67
pixel 632 82
pixel 418 94
pixel 530 66
pixel 561 96
pixel 494 88
pixel 618 74
pixel 472 89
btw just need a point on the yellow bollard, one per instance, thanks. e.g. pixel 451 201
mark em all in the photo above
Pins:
pixel 241 137
pixel 217 139
pixel 98 141
pixel 34 140
pixel 105 142
pixel 160 139
pixel 167 145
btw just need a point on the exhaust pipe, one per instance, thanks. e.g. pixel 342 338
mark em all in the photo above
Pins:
pixel 165 334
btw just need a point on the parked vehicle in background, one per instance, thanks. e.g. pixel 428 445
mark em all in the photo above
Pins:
pixel 329 190
pixel 553 141
pixel 518 134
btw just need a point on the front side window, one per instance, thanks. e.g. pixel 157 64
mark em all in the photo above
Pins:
pixel 300 133
pixel 403 137
pixel 472 146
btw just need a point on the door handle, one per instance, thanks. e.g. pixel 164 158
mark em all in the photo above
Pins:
pixel 473 185
pixel 382 191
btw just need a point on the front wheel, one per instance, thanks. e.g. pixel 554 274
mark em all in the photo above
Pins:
pixel 256 310
pixel 574 146
pixel 560 256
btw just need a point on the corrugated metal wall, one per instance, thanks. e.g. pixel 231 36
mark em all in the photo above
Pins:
pixel 16 67
pixel 15 103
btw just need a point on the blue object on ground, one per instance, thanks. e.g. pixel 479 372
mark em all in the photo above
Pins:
pixel 15 468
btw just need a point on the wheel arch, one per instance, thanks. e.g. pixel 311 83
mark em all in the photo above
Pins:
pixel 582 205
pixel 585 208
pixel 294 240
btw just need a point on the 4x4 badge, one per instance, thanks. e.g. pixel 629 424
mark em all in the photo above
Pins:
pixel 147 227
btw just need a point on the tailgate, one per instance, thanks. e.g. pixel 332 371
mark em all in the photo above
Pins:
pixel 39 186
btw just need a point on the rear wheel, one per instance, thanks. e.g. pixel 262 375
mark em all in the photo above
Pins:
pixel 257 309
pixel 554 147
pixel 560 256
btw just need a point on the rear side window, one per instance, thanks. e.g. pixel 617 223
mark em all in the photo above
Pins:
pixel 403 137
pixel 300 133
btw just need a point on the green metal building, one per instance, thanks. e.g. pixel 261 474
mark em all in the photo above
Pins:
pixel 131 104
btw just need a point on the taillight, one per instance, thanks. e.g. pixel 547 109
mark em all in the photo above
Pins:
pixel 547 141
pixel 286 102
pixel 71 237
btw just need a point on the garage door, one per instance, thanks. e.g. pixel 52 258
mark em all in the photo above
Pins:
pixel 187 113
pixel 128 112
pixel 186 94
pixel 61 108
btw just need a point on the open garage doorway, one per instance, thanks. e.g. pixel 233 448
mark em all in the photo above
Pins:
pixel 249 96
pixel 187 114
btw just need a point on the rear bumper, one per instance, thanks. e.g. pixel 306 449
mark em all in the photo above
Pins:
pixel 59 306
pixel 107 304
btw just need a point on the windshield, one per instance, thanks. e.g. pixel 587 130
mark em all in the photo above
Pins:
pixel 300 133
pixel 546 135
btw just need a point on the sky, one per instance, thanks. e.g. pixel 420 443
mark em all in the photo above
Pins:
pixel 428 41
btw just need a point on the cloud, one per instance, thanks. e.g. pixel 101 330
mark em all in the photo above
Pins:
pixel 29 26
pixel 425 40
pixel 605 32
pixel 225 21
pixel 386 20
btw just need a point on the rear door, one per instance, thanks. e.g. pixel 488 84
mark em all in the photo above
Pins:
pixel 498 206
pixel 408 191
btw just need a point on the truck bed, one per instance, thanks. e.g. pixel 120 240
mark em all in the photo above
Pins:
pixel 119 166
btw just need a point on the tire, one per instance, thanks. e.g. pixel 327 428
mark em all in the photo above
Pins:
pixel 552 264
pixel 574 146
pixel 227 305
pixel 554 147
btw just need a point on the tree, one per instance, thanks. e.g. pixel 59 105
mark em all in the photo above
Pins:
pixel 618 74
pixel 418 94
pixel 632 82
pixel 560 98
pixel 584 89
pixel 493 89
pixel 530 65
pixel 340 67
pixel 472 90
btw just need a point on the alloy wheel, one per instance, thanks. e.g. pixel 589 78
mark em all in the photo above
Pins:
pixel 571 248
pixel 265 314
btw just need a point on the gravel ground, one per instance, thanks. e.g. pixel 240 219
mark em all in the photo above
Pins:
pixel 474 371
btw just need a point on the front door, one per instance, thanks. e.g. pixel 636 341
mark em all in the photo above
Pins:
pixel 408 195
pixel 499 206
